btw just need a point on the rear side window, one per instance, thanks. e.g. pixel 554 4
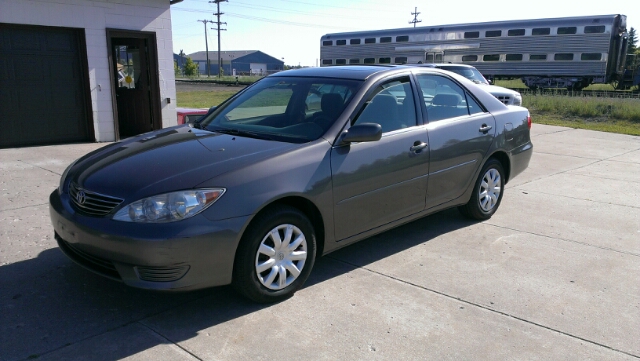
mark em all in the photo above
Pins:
pixel 445 99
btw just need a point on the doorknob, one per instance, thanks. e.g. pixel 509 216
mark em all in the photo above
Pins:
pixel 485 128
pixel 418 146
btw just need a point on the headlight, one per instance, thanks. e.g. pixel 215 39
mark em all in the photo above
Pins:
pixel 517 99
pixel 169 207
pixel 64 176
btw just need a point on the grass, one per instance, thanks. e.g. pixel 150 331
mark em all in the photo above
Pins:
pixel 203 99
pixel 614 115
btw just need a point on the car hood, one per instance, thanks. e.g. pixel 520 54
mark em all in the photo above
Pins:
pixel 167 160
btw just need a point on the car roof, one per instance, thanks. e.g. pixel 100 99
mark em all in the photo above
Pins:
pixel 355 72
pixel 444 65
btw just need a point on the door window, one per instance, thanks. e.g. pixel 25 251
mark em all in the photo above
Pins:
pixel 445 99
pixel 128 66
pixel 391 105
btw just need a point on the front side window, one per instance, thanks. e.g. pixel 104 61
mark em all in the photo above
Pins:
pixel 287 109
pixel 391 105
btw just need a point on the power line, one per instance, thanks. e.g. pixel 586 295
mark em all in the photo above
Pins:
pixel 415 18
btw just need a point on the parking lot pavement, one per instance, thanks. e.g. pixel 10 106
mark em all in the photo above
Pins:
pixel 553 275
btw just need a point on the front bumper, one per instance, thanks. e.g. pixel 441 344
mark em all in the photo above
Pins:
pixel 189 254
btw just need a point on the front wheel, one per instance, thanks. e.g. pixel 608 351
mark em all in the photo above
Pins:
pixel 487 192
pixel 275 255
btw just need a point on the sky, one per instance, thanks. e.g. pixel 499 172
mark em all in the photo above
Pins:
pixel 291 29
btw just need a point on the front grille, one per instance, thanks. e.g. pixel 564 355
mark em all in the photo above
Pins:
pixel 92 203
pixel 504 99
pixel 96 264
pixel 162 274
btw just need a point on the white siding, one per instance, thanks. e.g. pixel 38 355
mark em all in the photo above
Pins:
pixel 95 17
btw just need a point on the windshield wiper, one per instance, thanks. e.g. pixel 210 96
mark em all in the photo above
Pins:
pixel 242 133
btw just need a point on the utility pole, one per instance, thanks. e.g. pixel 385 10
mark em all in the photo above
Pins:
pixel 206 42
pixel 415 18
pixel 218 13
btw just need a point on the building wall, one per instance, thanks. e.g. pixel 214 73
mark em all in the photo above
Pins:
pixel 95 17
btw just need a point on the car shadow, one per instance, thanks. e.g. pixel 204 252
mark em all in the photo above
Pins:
pixel 48 303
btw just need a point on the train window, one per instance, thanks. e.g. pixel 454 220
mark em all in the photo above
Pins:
pixel 493 33
pixel 370 40
pixel 369 60
pixel 595 29
pixel 384 61
pixel 563 56
pixel 327 43
pixel 401 39
pixel 514 57
pixel 354 61
pixel 471 34
pixel 491 57
pixel 401 59
pixel 385 39
pixel 567 30
pixel 469 58
pixel 591 56
pixel 516 32
pixel 341 42
pixel 327 61
pixel 341 61
pixel 538 57
pixel 354 41
pixel 540 31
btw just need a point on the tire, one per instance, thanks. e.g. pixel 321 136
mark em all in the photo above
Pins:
pixel 267 267
pixel 487 192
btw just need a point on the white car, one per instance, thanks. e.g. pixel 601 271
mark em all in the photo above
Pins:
pixel 506 96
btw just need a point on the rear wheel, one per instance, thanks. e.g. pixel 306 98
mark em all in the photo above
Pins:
pixel 275 256
pixel 487 192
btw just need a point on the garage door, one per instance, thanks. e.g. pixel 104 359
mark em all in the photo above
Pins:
pixel 258 68
pixel 43 87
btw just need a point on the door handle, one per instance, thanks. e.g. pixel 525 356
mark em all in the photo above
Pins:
pixel 485 128
pixel 418 146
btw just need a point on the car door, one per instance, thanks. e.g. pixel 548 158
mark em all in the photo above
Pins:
pixel 460 134
pixel 378 182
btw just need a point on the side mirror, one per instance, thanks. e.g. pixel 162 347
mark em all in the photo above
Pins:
pixel 365 132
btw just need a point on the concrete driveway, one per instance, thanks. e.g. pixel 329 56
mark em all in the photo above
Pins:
pixel 554 275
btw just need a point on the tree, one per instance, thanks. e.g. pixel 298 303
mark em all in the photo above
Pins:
pixel 176 69
pixel 633 40
pixel 190 68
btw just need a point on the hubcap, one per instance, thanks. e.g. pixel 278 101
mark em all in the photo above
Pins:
pixel 281 256
pixel 490 189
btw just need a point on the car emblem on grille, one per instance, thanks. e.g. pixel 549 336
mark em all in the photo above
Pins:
pixel 81 197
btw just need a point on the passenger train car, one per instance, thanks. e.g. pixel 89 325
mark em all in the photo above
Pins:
pixel 570 52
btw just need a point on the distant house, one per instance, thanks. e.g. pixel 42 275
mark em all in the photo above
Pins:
pixel 76 70
pixel 243 62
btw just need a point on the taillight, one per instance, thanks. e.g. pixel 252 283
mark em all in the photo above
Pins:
pixel 529 121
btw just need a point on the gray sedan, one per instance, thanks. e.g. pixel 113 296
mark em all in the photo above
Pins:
pixel 295 166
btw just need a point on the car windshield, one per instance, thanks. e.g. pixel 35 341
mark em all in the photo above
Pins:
pixel 289 109
pixel 470 73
